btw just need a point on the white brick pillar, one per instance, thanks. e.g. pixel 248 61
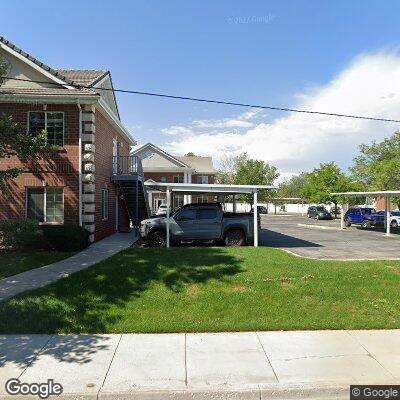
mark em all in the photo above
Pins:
pixel 89 169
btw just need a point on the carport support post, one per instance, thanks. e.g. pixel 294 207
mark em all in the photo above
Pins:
pixel 387 215
pixel 255 219
pixel 168 207
pixel 342 218
pixel 302 207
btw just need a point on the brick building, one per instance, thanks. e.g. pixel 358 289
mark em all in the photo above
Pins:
pixel 74 186
pixel 160 166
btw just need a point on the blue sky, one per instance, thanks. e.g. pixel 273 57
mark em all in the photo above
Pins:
pixel 265 52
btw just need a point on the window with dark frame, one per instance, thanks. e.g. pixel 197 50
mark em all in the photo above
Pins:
pixel 178 179
pixel 45 204
pixel 202 179
pixel 51 122
pixel 104 204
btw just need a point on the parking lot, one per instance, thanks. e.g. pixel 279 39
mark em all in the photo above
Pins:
pixel 323 239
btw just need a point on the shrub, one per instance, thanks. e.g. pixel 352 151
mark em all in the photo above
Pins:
pixel 66 237
pixel 21 234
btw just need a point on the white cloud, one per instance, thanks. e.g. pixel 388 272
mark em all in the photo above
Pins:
pixel 369 86
pixel 176 130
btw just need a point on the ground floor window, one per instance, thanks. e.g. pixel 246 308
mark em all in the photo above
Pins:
pixel 104 204
pixel 178 201
pixel 45 204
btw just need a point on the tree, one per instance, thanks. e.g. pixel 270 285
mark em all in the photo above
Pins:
pixel 3 69
pixel 254 172
pixel 228 167
pixel 323 181
pixel 190 154
pixel 13 142
pixel 378 165
pixel 293 187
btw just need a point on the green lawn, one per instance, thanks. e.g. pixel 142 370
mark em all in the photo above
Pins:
pixel 211 289
pixel 12 263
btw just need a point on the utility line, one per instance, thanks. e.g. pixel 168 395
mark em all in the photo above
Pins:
pixel 229 103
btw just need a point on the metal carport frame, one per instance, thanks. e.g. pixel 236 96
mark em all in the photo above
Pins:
pixel 216 189
pixel 387 194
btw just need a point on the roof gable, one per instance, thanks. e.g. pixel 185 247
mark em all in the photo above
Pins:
pixel 151 155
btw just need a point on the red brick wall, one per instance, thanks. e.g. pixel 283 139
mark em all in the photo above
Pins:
pixel 380 204
pixel 62 170
pixel 104 135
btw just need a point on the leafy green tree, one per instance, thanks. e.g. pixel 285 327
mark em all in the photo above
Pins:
pixel 190 154
pixel 3 69
pixel 15 142
pixel 293 187
pixel 378 165
pixel 255 172
pixel 228 167
pixel 323 181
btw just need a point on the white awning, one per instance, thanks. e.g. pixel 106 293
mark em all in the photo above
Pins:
pixel 383 193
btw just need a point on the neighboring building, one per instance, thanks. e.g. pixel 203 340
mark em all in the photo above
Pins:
pixel 160 166
pixel 75 187
pixel 380 204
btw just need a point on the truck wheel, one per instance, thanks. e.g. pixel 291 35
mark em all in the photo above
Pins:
pixel 157 239
pixel 234 238
pixel 347 222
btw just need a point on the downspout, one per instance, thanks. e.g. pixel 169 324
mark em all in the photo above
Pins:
pixel 80 164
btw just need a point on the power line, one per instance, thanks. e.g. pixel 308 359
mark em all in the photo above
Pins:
pixel 229 103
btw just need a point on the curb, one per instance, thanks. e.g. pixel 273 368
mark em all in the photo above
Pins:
pixel 328 228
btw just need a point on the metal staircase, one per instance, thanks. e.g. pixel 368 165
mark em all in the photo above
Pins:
pixel 128 175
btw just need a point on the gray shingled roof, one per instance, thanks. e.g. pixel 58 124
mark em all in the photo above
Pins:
pixel 71 77
pixel 199 164
pixel 83 77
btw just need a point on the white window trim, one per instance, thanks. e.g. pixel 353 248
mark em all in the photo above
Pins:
pixel 45 121
pixel 45 203
pixel 102 204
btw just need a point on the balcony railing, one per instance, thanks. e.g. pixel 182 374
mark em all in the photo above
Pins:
pixel 127 165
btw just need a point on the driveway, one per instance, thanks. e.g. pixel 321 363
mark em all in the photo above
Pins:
pixel 323 239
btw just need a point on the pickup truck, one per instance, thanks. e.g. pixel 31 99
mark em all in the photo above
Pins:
pixel 202 222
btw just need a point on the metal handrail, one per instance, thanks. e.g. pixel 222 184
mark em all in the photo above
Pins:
pixel 127 165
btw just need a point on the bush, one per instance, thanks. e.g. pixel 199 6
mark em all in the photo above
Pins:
pixel 66 237
pixel 23 234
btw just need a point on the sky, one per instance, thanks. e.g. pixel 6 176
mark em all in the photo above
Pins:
pixel 341 57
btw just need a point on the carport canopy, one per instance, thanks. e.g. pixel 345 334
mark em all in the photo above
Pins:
pixel 386 194
pixel 216 189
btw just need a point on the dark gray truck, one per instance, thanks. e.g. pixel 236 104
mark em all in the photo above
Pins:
pixel 204 223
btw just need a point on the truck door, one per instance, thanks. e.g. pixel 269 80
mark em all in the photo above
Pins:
pixel 184 227
pixel 209 223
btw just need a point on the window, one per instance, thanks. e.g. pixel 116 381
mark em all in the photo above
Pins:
pixel 178 201
pixel 104 204
pixel 51 122
pixel 178 179
pixel 202 179
pixel 207 213
pixel 188 214
pixel 45 204
pixel 163 179
pixel 202 199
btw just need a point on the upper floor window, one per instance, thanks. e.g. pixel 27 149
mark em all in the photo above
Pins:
pixel 178 179
pixel 51 122
pixel 163 179
pixel 202 179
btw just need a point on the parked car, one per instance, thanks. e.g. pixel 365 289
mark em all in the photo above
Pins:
pixel 262 210
pixel 318 212
pixel 366 217
pixel 162 210
pixel 394 218
pixel 200 223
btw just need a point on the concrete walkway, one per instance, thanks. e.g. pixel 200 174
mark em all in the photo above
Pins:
pixel 251 365
pixel 39 277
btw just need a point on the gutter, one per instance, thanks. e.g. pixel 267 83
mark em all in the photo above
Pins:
pixel 80 164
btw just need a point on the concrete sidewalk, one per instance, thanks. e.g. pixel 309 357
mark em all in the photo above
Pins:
pixel 39 277
pixel 251 365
